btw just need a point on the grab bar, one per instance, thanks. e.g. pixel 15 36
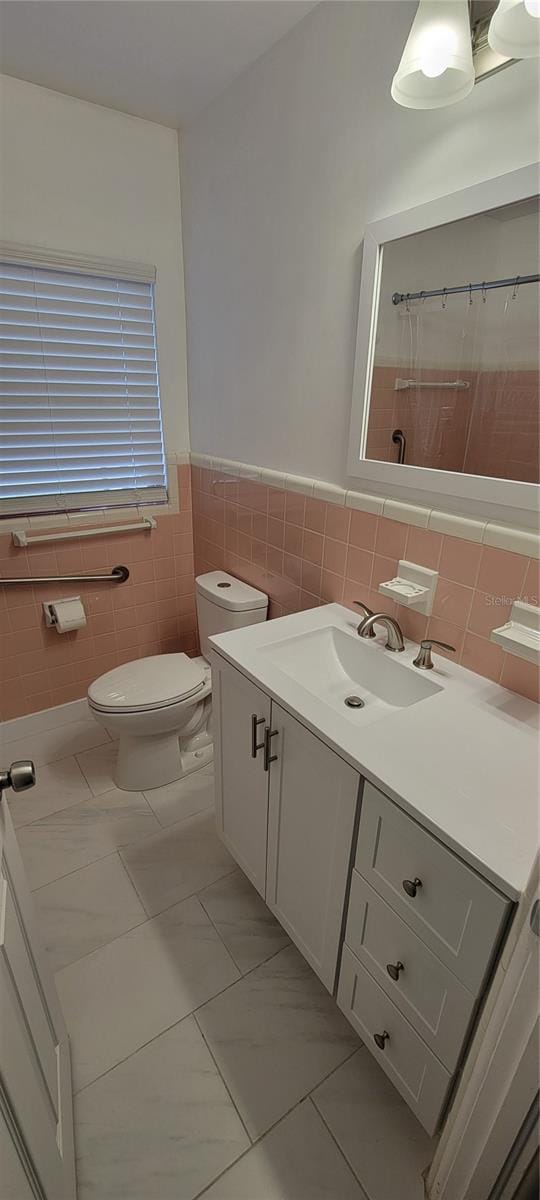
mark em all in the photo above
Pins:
pixel 117 575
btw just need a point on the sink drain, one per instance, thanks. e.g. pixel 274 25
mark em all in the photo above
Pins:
pixel 354 702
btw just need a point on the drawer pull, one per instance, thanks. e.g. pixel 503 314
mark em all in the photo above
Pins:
pixel 410 886
pixel 394 969
pixel 381 1038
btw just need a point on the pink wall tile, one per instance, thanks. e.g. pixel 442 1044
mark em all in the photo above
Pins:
pixel 391 538
pixel 460 560
pixel 363 530
pixel 359 565
pixel 338 521
pixel 312 547
pixel 482 656
pixel 501 573
pixel 424 547
pixel 452 602
pixel 334 556
pixel 486 615
pixel 293 538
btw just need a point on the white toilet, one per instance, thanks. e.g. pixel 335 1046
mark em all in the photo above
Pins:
pixel 160 707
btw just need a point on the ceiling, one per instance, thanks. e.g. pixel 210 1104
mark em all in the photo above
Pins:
pixel 164 60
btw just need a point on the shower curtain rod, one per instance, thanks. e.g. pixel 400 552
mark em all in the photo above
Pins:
pixel 516 281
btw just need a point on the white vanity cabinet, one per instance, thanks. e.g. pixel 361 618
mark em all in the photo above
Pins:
pixel 414 929
pixel 286 815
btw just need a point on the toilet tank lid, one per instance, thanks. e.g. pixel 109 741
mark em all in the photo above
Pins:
pixel 228 592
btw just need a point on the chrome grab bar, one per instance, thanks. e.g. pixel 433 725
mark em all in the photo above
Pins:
pixel 117 575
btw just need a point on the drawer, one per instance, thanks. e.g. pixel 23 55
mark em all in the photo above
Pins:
pixel 454 911
pixel 425 991
pixel 413 1069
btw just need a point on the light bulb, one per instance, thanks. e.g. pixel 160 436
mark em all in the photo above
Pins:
pixel 438 46
pixel 533 7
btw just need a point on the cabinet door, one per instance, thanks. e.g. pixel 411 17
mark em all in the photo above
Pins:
pixel 241 781
pixel 313 796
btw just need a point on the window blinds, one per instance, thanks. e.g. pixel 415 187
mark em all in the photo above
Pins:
pixel 80 419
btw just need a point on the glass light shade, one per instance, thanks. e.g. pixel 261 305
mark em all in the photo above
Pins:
pixel 436 66
pixel 515 29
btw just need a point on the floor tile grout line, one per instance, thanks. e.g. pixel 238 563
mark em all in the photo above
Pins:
pixel 223 1080
pixel 339 1147
pixel 257 1141
pixel 151 916
pixel 178 1022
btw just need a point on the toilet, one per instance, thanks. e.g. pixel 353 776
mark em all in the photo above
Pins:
pixel 160 707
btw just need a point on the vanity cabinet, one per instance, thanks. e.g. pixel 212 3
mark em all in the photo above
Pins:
pixel 286 815
pixel 414 929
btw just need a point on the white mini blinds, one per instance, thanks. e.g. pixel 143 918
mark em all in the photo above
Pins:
pixel 80 419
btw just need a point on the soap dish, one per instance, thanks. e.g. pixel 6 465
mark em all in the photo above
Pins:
pixel 413 587
pixel 521 634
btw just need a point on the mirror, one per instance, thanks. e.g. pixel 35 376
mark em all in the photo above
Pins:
pixel 454 379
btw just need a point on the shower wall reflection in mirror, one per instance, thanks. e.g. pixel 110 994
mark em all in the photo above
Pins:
pixel 455 375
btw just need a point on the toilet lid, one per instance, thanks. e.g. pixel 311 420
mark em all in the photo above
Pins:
pixel 147 683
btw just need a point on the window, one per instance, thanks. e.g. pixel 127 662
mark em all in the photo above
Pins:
pixel 80 419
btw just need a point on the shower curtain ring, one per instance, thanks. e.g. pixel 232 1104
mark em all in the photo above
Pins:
pixel 484 293
pixel 444 297
pixel 423 295
pixel 407 306
pixel 470 295
pixel 516 286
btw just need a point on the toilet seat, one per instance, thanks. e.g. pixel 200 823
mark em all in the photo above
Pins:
pixel 146 684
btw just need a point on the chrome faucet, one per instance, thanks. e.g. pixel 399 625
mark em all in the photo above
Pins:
pixel 368 612
pixel 394 636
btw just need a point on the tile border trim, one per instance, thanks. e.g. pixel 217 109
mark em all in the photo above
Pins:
pixel 489 533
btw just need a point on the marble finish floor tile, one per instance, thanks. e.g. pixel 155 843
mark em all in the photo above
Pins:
pixel 58 785
pixel 242 919
pixel 177 862
pixel 297 1160
pixel 160 1126
pixel 275 1035
pixel 87 909
pixel 134 988
pixel 182 798
pixel 385 1145
pixel 50 745
pixel 80 835
pixel 97 766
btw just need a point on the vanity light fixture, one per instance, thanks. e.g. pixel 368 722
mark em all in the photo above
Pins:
pixel 454 43
pixel 436 66
pixel 515 28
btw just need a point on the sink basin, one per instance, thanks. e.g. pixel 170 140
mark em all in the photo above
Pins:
pixel 335 666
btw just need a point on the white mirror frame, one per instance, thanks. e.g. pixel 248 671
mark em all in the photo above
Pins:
pixel 503 498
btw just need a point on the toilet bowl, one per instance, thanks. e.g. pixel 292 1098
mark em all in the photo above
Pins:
pixel 160 707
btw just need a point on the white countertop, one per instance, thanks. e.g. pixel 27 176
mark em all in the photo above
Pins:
pixel 464 763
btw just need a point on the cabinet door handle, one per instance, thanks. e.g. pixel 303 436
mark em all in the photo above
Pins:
pixel 269 758
pixel 410 886
pixel 255 745
pixel 381 1038
pixel 394 969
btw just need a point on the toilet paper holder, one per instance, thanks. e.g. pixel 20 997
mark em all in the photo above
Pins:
pixel 53 619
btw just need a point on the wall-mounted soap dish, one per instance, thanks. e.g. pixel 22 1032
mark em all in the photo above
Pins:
pixel 521 634
pixel 413 586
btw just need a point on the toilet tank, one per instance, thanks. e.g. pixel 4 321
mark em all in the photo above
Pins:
pixel 224 603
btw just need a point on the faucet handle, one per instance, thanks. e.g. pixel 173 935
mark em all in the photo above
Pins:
pixel 368 612
pixel 423 659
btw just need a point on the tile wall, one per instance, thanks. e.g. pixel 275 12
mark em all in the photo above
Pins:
pixel 153 613
pixel 304 552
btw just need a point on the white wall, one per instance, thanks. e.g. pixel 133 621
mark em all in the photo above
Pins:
pixel 79 177
pixel 279 178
